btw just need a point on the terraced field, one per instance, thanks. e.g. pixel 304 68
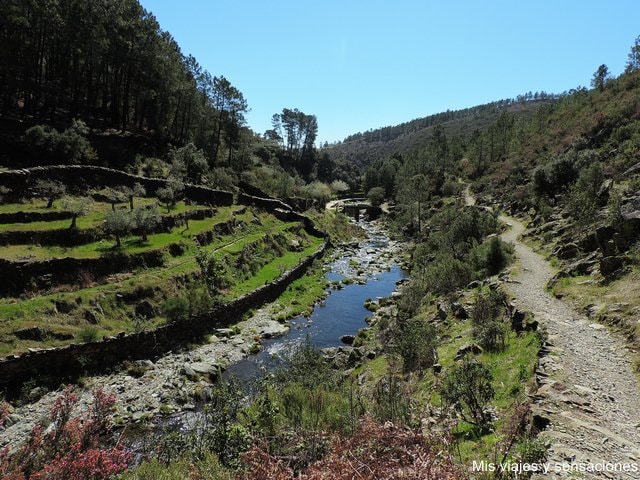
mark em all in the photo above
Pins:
pixel 56 294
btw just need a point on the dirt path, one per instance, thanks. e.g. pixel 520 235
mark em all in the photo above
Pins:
pixel 589 391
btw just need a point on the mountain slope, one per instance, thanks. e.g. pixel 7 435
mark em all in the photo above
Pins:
pixel 363 149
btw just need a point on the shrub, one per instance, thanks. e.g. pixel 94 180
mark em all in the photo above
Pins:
pixel 467 389
pixel 489 329
pixel 69 449
pixel 376 195
pixel 175 308
pixel 374 451
pixel 70 146
pixel 392 400
pixel 88 334
pixel 447 273
pixel 584 200
pixel 415 343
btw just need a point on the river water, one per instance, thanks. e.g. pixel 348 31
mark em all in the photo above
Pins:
pixel 375 268
pixel 372 271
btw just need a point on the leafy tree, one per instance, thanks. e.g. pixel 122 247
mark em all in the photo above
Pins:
pixel 189 163
pixel 213 272
pixel 467 389
pixel 169 194
pixel 415 342
pixel 50 189
pixel 78 208
pixel 339 186
pixel 318 192
pixel 131 192
pixel 144 220
pixel 118 223
pixel 584 200
pixel 633 62
pixel 114 196
pixel 376 196
pixel 600 77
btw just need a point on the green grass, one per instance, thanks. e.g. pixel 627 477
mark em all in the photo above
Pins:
pixel 130 244
pixel 274 269
pixel 93 219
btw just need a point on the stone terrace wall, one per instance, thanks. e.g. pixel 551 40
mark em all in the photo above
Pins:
pixel 67 237
pixel 32 276
pixel 97 356
pixel 81 176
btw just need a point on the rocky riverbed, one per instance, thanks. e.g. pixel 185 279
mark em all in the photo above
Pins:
pixel 147 389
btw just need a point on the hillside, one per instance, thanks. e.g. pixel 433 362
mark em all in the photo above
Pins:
pixel 363 149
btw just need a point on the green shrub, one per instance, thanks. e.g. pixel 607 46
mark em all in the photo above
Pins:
pixel 392 400
pixel 467 389
pixel 489 329
pixel 175 308
pixel 447 273
pixel 415 343
pixel 88 334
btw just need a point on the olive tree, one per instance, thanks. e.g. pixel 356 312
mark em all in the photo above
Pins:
pixel 50 189
pixel 118 223
pixel 144 220
pixel 78 207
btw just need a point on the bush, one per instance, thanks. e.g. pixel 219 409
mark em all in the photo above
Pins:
pixel 446 273
pixel 489 329
pixel 376 196
pixel 69 448
pixel 392 400
pixel 415 343
pixel 467 389
pixel 584 201
pixel 88 334
pixel 68 147
pixel 175 308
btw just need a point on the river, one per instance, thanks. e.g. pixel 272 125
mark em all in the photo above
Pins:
pixel 372 270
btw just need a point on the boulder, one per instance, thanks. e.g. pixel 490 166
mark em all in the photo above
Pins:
pixel 567 251
pixel 459 311
pixel 347 339
pixel 145 309
pixel 464 350
pixel 31 333
pixel 64 306
pixel 610 265
pixel 91 316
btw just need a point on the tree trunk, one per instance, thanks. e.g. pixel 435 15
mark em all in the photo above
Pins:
pixel 73 222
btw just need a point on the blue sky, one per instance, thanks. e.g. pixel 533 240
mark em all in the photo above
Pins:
pixel 359 64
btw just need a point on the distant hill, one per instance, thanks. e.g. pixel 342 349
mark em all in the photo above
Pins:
pixel 362 149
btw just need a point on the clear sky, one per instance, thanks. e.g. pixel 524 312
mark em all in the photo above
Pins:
pixel 359 64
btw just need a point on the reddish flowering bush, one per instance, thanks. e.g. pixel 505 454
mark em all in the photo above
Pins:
pixel 68 449
pixel 374 451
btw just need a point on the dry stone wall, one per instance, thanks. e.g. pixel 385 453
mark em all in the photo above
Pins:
pixel 79 176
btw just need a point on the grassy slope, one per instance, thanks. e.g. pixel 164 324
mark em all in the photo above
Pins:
pixel 158 283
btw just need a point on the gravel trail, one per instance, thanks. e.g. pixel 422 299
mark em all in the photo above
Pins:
pixel 588 390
